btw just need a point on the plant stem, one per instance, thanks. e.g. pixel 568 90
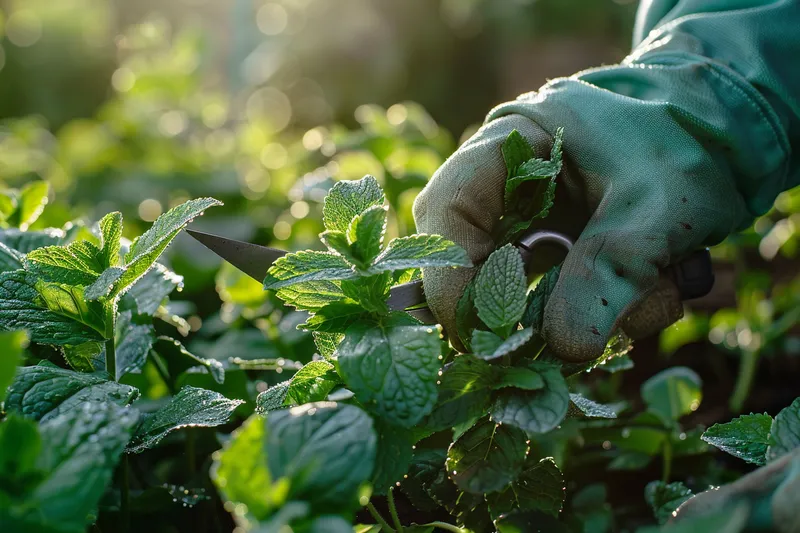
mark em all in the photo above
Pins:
pixel 124 507
pixel 744 381
pixel 111 352
pixel 393 511
pixel 379 519
pixel 446 526
pixel 666 470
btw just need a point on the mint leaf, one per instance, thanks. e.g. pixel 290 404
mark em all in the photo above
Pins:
pixel 590 408
pixel 26 241
pixel 102 286
pixel 517 377
pixel 785 431
pixel 147 248
pixel 11 348
pixel 335 317
pixel 464 392
pixel 190 407
pixel 500 290
pixel 487 457
pixel 393 456
pixel 75 264
pixel 370 292
pixel 366 234
pixel 179 359
pixel 420 251
pixel 665 498
pixel 392 370
pixel 540 487
pixel 537 299
pixel 536 411
pixel 133 343
pixel 536 170
pixel 150 291
pixel 516 151
pixel 486 346
pixel 45 391
pixel 54 317
pixel 327 342
pixel 466 316
pixel 337 243
pixel 673 393
pixel 33 197
pixel 273 398
pixel 745 437
pixel 86 357
pixel 240 470
pixel 306 266
pixel 80 451
pixel 110 238
pixel 425 467
pixel 326 450
pixel 311 295
pixel 312 383
pixel 348 199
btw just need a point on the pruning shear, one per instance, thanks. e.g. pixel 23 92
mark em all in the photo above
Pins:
pixel 693 275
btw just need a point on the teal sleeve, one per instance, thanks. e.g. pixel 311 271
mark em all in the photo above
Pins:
pixel 709 84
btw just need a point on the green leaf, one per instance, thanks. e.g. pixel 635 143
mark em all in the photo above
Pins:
pixel 21 445
pixel 785 432
pixel 536 411
pixel 110 238
pixel 191 407
pixel 337 243
pixel 81 449
pixel 366 233
pixel 10 259
pixel 393 456
pixel 312 383
pixel 26 241
pixel 133 342
pixel 500 291
pixel 327 343
pixel 487 457
pixel 273 398
pixel 311 295
pixel 103 285
pixel 12 344
pixel 51 317
pixel 731 518
pixel 179 359
pixel 590 408
pixel 153 288
pixel 240 470
pixel 420 251
pixel 466 316
pixel 516 151
pixel 75 264
pixel 370 292
pixel 147 248
pixel 348 199
pixel 425 467
pixel 327 450
pixel 486 347
pixel 537 299
pixel 745 437
pixel 335 317
pixel 300 267
pixel 32 199
pixel 392 370
pixel 540 487
pixel 86 357
pixel 673 392
pixel 464 392
pixel 665 498
pixel 518 377
pixel 45 391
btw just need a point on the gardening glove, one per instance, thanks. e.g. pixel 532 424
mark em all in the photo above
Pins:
pixel 771 496
pixel 687 140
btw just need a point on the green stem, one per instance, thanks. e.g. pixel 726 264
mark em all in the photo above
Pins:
pixel 111 352
pixel 666 470
pixel 379 519
pixel 124 507
pixel 446 527
pixel 744 381
pixel 162 371
pixel 393 511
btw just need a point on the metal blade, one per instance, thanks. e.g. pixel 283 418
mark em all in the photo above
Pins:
pixel 252 259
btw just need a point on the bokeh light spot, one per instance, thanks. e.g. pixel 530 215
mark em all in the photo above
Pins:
pixel 313 139
pixel 299 209
pixel 123 79
pixel 272 19
pixel 274 156
pixel 150 209
pixel 282 230
pixel 24 28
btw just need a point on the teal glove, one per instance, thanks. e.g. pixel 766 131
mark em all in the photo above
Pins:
pixel 684 142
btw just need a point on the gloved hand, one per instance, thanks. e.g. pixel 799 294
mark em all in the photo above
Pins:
pixel 771 496
pixel 683 143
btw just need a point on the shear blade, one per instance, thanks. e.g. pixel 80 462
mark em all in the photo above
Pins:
pixel 252 259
